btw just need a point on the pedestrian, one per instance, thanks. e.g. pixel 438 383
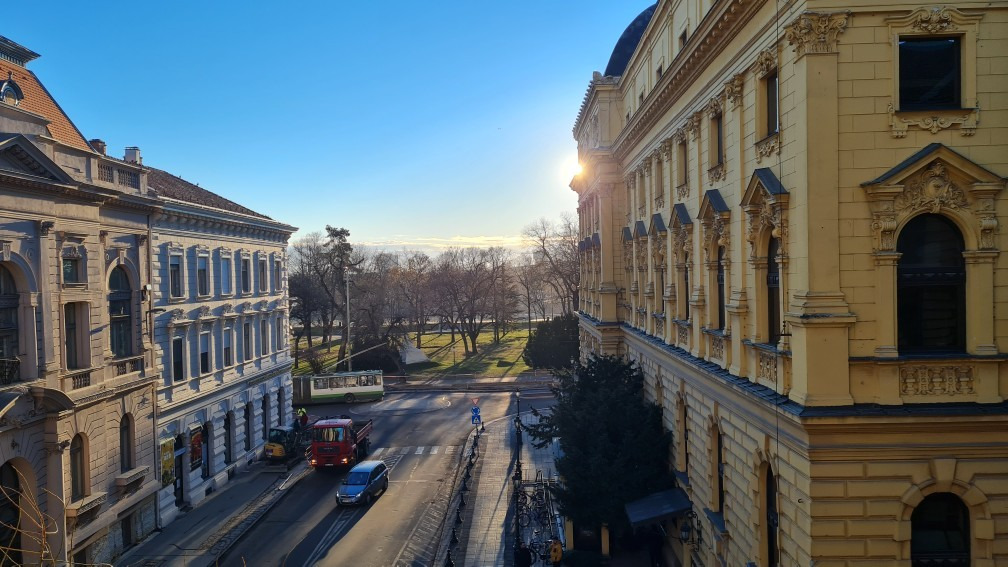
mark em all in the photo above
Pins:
pixel 303 417
pixel 523 557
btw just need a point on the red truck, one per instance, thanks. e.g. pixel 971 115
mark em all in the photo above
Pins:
pixel 339 442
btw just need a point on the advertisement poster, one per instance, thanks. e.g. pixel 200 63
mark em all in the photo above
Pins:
pixel 196 449
pixel 167 462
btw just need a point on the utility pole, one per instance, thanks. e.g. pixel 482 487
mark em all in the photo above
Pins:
pixel 346 279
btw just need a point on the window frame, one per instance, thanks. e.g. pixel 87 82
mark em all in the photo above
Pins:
pixel 76 335
pixel 246 275
pixel 127 454
pixel 204 286
pixel 227 347
pixel 227 275
pixel 80 485
pixel 263 276
pixel 121 340
pixel 247 341
pixel 176 276
pixel 205 353
pixel 178 358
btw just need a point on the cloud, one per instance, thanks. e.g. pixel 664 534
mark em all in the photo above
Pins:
pixel 437 244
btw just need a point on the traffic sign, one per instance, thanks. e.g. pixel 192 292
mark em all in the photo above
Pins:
pixel 475 401
pixel 476 419
pixel 475 410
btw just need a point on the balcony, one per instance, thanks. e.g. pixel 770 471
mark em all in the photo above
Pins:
pixel 128 365
pixel 9 371
pixel 77 379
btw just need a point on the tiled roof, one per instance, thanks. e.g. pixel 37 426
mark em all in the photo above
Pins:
pixel 174 187
pixel 37 100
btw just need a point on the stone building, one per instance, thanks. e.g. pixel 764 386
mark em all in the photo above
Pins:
pixel 221 333
pixel 77 372
pixel 790 215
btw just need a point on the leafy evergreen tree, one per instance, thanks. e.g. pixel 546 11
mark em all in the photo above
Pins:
pixel 554 344
pixel 614 447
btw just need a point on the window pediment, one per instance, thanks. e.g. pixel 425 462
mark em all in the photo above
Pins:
pixel 765 202
pixel 940 181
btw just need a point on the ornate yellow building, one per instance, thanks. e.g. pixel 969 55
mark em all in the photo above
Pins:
pixel 792 218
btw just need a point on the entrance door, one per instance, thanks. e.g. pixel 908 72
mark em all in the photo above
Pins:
pixel 180 450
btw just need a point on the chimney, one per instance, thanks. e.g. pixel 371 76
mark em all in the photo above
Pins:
pixel 133 155
pixel 98 144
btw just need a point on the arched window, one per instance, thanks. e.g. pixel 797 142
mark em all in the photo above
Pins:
pixel 720 288
pixel 772 520
pixel 931 286
pixel 120 319
pixel 686 288
pixel 773 292
pixel 939 532
pixel 248 426
pixel 720 471
pixel 78 468
pixel 10 516
pixel 126 443
pixel 9 363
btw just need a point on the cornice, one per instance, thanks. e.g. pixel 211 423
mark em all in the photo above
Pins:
pixel 709 40
pixel 191 218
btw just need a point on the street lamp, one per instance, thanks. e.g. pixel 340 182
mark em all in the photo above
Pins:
pixel 346 279
pixel 690 531
pixel 518 431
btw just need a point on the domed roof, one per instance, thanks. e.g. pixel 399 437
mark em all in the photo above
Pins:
pixel 627 43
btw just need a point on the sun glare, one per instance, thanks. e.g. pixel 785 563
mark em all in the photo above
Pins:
pixel 571 168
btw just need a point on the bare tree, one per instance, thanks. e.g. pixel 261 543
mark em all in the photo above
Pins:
pixel 555 245
pixel 528 278
pixel 413 278
pixel 503 295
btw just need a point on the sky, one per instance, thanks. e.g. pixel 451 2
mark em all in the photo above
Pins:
pixel 415 125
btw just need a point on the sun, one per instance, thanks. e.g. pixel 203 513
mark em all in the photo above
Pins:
pixel 571 168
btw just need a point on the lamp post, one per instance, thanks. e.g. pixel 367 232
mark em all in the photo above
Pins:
pixel 518 442
pixel 518 431
pixel 346 280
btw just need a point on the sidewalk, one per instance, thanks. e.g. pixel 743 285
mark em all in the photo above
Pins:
pixel 197 538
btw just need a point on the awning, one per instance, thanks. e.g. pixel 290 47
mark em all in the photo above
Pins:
pixel 657 507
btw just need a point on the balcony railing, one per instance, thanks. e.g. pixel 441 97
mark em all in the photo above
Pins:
pixel 10 371
pixel 79 380
pixel 129 365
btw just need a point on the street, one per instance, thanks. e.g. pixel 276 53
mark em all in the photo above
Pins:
pixel 420 436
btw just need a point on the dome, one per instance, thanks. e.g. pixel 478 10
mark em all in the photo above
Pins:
pixel 627 43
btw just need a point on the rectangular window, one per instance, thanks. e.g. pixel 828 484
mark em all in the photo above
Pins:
pixel 71 270
pixel 228 359
pixel 175 274
pixel 682 40
pixel 658 72
pixel 226 275
pixel 246 276
pixel 682 167
pixel 279 333
pixel 772 112
pixel 71 336
pixel 204 353
pixel 178 359
pixel 262 276
pixel 263 337
pixel 717 140
pixel 276 276
pixel 203 275
pixel 247 342
pixel 930 73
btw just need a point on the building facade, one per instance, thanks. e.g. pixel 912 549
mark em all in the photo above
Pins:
pixel 221 333
pixel 77 371
pixel 790 218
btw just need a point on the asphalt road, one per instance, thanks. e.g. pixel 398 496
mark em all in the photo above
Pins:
pixel 420 436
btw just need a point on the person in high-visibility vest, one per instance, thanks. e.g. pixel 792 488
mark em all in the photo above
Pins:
pixel 555 552
pixel 303 417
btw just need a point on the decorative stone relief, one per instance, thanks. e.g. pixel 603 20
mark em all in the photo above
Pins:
pixel 767 147
pixel 628 256
pixel 766 370
pixel 936 380
pixel 204 311
pixel 716 173
pixel 717 347
pixel 715 106
pixel 641 254
pixel 733 89
pixel 816 32
pixel 693 126
pixel 766 215
pixel 766 61
pixel 44 227
pixel 178 315
pixel 682 191
pixel 933 122
pixel 935 20
pixel 658 251
pixel 933 190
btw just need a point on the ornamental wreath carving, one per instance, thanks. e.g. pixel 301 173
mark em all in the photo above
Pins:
pixel 933 190
pixel 733 89
pixel 814 32
pixel 935 20
pixel 936 380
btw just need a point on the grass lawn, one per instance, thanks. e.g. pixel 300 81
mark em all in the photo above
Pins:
pixel 493 360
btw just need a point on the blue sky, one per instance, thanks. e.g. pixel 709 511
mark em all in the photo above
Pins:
pixel 413 124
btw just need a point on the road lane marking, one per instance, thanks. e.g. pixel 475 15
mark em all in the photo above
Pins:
pixel 377 451
pixel 419 451
pixel 434 450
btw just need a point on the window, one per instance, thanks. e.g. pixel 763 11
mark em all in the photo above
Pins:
pixel 207 431
pixel 686 288
pixel 226 340
pixel 640 98
pixel 204 353
pixel 773 292
pixel 78 468
pixel 226 275
pixel 175 274
pixel 265 417
pixel 930 73
pixel 772 124
pixel 73 336
pixel 178 359
pixel 279 333
pixel 10 515
pixel 276 276
pixel 720 288
pixel 263 277
pixel 939 531
pixel 120 320
pixel 720 471
pixel 772 520
pixel 682 165
pixel 263 337
pixel 717 140
pixel 931 286
pixel 248 426
pixel 126 525
pixel 682 40
pixel 126 443
pixel 247 342
pixel 658 72
pixel 229 437
pixel 71 270
pixel 246 276
pixel 203 275
pixel 9 301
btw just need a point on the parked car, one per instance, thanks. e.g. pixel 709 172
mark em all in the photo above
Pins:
pixel 363 483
